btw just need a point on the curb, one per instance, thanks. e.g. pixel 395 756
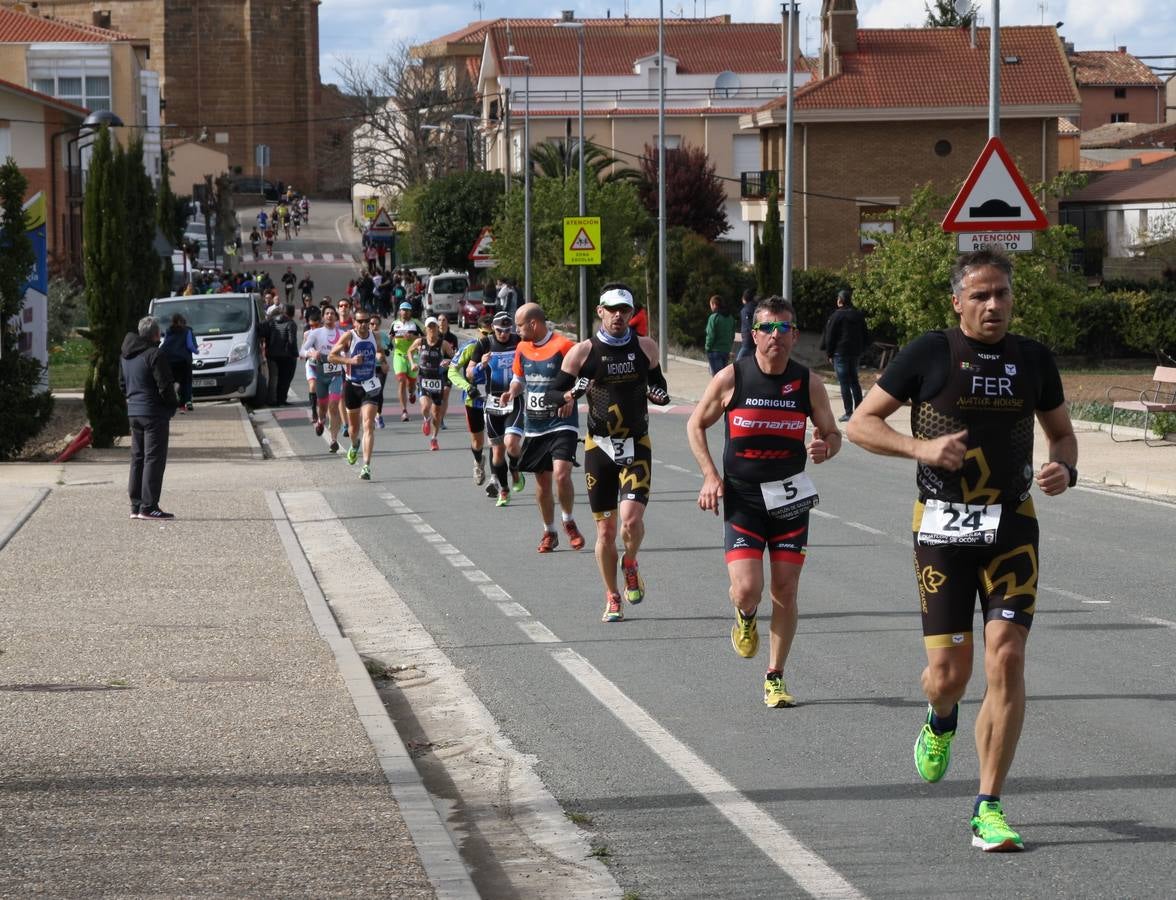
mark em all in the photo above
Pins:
pixel 23 516
pixel 434 844
pixel 250 435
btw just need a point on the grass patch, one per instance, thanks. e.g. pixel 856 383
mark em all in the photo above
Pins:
pixel 68 365
pixel 580 819
pixel 600 851
pixel 630 895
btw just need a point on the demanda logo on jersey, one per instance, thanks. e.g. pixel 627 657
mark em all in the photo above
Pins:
pixel 790 387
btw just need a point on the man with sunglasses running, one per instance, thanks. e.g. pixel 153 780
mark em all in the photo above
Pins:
pixel 360 353
pixel 619 372
pixel 766 400
pixel 494 357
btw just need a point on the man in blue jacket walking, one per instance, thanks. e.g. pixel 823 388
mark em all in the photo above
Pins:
pixel 146 381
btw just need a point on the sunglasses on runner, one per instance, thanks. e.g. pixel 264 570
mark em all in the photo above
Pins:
pixel 359 321
pixel 773 327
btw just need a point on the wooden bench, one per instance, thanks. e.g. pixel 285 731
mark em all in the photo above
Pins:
pixel 1159 398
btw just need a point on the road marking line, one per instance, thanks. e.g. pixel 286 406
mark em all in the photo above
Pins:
pixel 802 865
pixel 1154 621
pixel 514 610
pixel 412 518
pixel 1132 497
pixel 309 257
pixel 1099 602
pixel 674 468
pixel 460 561
pixel 434 538
pixel 821 514
pixel 538 632
pixel 477 576
pixel 494 592
pixel 1070 595
pixel 860 527
pixel 446 549
pixel 422 528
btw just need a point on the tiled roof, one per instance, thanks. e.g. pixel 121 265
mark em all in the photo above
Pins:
pixel 65 105
pixel 704 48
pixel 572 112
pixel 912 68
pixel 1130 134
pixel 475 32
pixel 1066 126
pixel 1154 182
pixel 22 28
pixel 1116 68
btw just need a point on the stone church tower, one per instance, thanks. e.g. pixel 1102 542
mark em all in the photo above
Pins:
pixel 244 71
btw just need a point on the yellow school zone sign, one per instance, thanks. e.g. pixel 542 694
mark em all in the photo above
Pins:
pixel 581 240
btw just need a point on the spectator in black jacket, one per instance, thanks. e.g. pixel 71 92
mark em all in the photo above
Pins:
pixel 746 320
pixel 146 381
pixel 282 349
pixel 845 337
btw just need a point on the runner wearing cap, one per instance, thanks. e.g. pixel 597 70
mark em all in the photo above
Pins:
pixel 494 357
pixel 433 356
pixel 405 330
pixel 472 395
pixel 618 370
pixel 359 352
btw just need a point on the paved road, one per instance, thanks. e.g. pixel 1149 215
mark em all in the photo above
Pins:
pixel 653 729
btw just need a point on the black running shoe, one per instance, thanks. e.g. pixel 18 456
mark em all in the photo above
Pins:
pixel 154 512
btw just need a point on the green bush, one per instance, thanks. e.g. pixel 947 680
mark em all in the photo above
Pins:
pixel 695 270
pixel 814 294
pixel 1151 323
pixel 1164 423
pixel 1102 317
pixel 67 305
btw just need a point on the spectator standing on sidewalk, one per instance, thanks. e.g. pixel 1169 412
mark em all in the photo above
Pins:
pixel 845 337
pixel 283 350
pixel 746 321
pixel 179 346
pixel 720 335
pixel 147 383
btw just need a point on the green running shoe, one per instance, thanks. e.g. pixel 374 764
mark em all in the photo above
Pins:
pixel 366 473
pixel 352 455
pixel 519 483
pixel 634 583
pixel 932 751
pixel 744 636
pixel 990 831
pixel 776 692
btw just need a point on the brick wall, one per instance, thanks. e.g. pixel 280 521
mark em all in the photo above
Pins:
pixel 1141 104
pixel 887 160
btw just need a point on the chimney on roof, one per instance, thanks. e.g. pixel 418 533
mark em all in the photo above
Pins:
pixel 100 18
pixel 567 15
pixel 1122 49
pixel 1068 46
pixel 839 24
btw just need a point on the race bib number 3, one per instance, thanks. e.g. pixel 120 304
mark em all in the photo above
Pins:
pixel 619 450
pixel 961 524
pixel 371 386
pixel 787 499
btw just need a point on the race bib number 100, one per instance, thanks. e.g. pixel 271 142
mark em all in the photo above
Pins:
pixel 787 499
pixel 961 524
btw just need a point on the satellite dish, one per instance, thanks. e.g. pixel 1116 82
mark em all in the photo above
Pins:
pixel 727 82
pixel 962 7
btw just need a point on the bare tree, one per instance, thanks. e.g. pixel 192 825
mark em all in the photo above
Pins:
pixel 406 135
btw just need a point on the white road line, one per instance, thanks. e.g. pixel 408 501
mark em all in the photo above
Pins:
pixel 538 632
pixel 1098 602
pixel 1070 595
pixel 514 610
pixel 422 528
pixel 494 592
pixel 821 514
pixel 860 527
pixel 806 868
pixel 476 576
pixel 674 468
pixel 459 561
pixel 1154 621
pixel 309 257
pixel 1132 497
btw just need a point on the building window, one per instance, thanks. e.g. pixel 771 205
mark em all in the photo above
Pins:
pixel 872 221
pixel 673 141
pixel 1119 117
pixel 1120 93
pixel 90 91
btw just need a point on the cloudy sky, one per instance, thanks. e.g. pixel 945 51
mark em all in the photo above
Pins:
pixel 363 29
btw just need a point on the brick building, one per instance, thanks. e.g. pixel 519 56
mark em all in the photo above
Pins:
pixel 892 109
pixel 245 73
pixel 1116 87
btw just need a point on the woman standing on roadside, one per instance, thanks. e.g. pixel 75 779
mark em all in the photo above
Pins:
pixel 179 345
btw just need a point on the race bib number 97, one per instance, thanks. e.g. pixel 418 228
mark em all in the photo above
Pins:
pixel 960 524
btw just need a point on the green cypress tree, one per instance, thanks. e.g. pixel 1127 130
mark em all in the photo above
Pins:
pixel 143 265
pixel 769 252
pixel 24 410
pixel 105 257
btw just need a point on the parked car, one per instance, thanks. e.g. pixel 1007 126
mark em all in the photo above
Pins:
pixel 445 293
pixel 472 309
pixel 252 184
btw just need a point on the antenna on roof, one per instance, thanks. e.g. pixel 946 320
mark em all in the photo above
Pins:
pixel 478 6
pixel 1042 6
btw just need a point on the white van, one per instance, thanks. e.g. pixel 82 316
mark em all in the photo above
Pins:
pixel 228 365
pixel 445 292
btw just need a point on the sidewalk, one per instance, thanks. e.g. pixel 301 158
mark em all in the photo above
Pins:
pixel 175 722
pixel 1101 461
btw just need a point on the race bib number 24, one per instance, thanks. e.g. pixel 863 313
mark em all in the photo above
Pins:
pixel 962 524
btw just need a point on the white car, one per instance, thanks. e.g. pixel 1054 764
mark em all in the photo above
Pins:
pixel 445 293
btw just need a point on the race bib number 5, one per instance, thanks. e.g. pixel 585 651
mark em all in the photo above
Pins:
pixel 961 524
pixel 787 499
pixel 499 405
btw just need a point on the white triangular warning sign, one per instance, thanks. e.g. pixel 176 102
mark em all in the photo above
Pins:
pixel 382 220
pixel 994 197
pixel 484 246
pixel 582 242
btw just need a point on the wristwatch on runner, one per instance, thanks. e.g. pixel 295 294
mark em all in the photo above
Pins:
pixel 1073 473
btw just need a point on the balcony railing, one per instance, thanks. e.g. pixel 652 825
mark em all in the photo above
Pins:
pixel 757 185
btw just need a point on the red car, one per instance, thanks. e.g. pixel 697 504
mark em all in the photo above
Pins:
pixel 471 309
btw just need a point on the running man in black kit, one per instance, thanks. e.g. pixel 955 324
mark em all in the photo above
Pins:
pixel 766 400
pixel 974 392
pixel 620 373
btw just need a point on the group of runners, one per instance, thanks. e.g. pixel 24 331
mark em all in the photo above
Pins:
pixel 975 392
pixel 288 213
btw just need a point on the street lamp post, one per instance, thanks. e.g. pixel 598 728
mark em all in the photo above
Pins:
pixel 579 28
pixel 786 284
pixel 469 119
pixel 663 332
pixel 90 124
pixel 526 61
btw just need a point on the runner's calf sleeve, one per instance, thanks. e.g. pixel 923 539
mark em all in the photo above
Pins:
pixel 514 463
pixel 499 470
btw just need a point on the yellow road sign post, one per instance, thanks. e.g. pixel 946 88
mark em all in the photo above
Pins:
pixel 581 241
